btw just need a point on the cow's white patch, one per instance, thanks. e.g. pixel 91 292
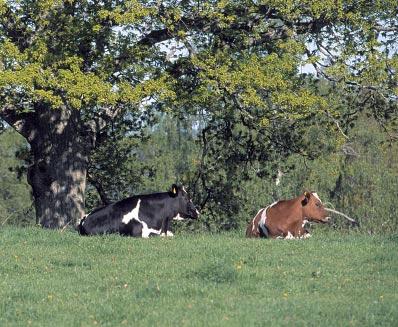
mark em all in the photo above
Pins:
pixel 261 223
pixel 304 222
pixel 263 218
pixel 253 221
pixel 289 236
pixel 146 231
pixel 133 214
pixel 308 235
pixel 178 217
pixel 270 206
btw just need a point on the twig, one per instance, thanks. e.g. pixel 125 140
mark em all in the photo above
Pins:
pixel 344 215
pixel 5 220
pixel 337 124
pixel 63 228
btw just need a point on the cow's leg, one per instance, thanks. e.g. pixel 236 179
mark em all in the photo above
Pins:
pixel 133 228
pixel 303 233
pixel 168 234
pixel 289 236
pixel 165 227
pixel 138 228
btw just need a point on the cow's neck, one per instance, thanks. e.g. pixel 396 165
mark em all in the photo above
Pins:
pixel 297 217
pixel 175 207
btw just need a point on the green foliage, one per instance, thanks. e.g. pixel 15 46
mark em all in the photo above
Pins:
pixel 367 185
pixel 202 280
pixel 15 200
pixel 142 159
pixel 68 47
pixel 171 152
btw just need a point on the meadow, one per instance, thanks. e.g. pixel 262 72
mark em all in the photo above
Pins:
pixel 49 278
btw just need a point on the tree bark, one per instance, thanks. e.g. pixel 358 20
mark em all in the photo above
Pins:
pixel 58 173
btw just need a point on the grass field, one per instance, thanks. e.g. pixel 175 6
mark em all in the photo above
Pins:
pixel 48 278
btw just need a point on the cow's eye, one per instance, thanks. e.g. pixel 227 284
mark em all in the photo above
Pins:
pixel 318 204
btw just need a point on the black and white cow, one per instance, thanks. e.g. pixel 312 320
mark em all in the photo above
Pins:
pixel 140 215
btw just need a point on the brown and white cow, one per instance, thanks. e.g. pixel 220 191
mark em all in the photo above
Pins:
pixel 287 218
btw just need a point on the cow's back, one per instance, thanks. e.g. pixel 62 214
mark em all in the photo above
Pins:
pixel 283 211
pixel 108 219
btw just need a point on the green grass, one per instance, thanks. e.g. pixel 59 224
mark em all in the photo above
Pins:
pixel 48 278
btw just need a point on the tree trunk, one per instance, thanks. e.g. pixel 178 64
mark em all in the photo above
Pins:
pixel 58 172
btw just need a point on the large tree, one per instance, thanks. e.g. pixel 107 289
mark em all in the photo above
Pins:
pixel 72 71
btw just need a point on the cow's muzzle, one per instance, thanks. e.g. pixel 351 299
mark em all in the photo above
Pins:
pixel 325 220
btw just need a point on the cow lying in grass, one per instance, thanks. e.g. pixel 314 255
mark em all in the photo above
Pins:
pixel 287 218
pixel 141 215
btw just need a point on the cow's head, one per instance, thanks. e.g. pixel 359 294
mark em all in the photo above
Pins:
pixel 313 209
pixel 186 208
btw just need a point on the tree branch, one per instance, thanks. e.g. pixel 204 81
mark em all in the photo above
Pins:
pixel 21 122
pixel 337 124
pixel 156 36
pixel 201 24
pixel 100 190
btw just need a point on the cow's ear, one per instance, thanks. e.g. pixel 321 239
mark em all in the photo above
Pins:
pixel 174 190
pixel 307 196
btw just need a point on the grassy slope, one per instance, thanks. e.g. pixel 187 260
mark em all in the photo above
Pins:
pixel 49 278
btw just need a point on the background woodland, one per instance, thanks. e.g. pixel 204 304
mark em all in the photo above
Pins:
pixel 243 102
